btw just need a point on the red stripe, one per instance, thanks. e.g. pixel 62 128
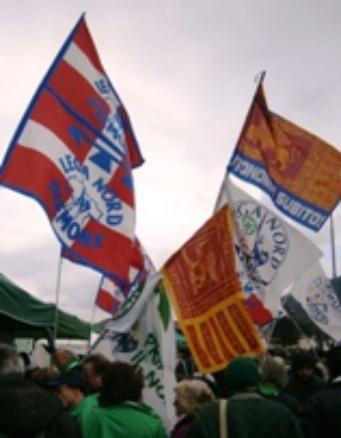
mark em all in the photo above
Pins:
pixel 134 152
pixel 63 125
pixel 210 343
pixel 85 42
pixel 260 315
pixel 79 94
pixel 195 344
pixel 51 114
pixel 32 172
pixel 113 255
pixel 119 184
pixel 227 353
pixel 107 302
pixel 229 333
pixel 137 260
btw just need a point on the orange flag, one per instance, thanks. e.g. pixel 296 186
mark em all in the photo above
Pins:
pixel 206 294
pixel 300 172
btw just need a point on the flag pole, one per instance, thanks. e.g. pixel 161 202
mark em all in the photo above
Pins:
pixel 332 244
pixel 92 320
pixel 259 80
pixel 56 313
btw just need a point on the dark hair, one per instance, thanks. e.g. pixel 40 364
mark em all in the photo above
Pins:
pixel 99 362
pixel 303 359
pixel 334 361
pixel 121 382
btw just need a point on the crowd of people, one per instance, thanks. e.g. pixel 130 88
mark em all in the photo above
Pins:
pixel 296 396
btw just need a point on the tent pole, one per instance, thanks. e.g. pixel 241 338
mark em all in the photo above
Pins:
pixel 56 314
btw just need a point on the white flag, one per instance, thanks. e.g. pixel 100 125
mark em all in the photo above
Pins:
pixel 317 295
pixel 143 334
pixel 270 253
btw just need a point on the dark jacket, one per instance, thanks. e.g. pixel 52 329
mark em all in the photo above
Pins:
pixel 302 391
pixel 278 395
pixel 27 411
pixel 321 414
pixel 180 430
pixel 247 418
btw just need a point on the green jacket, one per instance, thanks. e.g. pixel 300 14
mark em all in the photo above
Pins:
pixel 83 408
pixel 125 420
pixel 253 417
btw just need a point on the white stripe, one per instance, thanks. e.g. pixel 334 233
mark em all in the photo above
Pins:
pixel 108 285
pixel 76 58
pixel 39 138
pixel 111 288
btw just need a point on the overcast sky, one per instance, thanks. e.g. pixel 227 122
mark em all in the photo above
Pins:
pixel 185 71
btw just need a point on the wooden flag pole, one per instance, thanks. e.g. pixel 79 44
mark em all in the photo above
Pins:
pixel 332 245
pixel 56 314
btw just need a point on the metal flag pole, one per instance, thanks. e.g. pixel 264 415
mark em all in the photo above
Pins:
pixel 56 313
pixel 332 245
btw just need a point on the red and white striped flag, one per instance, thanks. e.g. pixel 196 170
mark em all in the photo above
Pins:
pixel 110 296
pixel 73 152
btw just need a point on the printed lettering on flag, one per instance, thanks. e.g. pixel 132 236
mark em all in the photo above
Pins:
pixel 110 296
pixel 143 334
pixel 270 254
pixel 206 294
pixel 318 297
pixel 300 172
pixel 74 152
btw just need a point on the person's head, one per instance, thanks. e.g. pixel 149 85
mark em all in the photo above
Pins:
pixel 241 374
pixel 43 376
pixel 93 370
pixel 10 361
pixel 303 365
pixel 62 357
pixel 334 362
pixel 274 371
pixel 190 396
pixel 120 382
pixel 70 388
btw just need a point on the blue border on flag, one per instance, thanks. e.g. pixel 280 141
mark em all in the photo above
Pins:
pixel 275 191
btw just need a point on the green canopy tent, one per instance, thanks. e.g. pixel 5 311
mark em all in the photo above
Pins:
pixel 24 316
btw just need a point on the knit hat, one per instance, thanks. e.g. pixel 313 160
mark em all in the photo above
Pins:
pixel 241 373
pixel 71 378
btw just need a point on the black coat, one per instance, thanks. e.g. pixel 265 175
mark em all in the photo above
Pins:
pixel 26 411
pixel 322 414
